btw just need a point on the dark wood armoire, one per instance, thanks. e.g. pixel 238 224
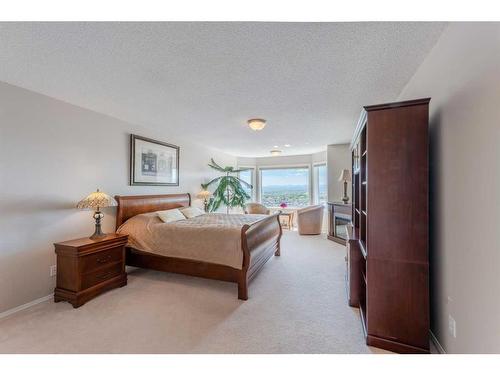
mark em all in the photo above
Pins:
pixel 387 247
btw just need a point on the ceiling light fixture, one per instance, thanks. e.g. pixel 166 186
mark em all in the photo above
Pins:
pixel 256 124
pixel 287 145
pixel 275 152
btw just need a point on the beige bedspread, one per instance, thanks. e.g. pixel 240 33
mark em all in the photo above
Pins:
pixel 213 238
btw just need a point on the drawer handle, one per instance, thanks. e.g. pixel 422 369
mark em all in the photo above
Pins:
pixel 104 260
pixel 105 275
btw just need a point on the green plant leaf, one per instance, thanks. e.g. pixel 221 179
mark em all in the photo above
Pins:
pixel 229 190
pixel 216 166
pixel 214 180
pixel 245 183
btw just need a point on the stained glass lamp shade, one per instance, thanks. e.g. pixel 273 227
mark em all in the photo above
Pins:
pixel 96 201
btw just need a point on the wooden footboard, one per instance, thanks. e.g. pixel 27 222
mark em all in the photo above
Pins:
pixel 259 241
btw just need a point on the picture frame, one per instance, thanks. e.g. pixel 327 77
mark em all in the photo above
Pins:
pixel 153 163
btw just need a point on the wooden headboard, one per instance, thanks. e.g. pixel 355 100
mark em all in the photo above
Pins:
pixel 132 205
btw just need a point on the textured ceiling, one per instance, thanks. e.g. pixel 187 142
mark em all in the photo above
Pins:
pixel 204 80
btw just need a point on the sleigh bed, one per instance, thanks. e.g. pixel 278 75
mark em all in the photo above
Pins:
pixel 258 239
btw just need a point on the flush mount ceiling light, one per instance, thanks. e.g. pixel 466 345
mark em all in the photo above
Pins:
pixel 275 152
pixel 287 145
pixel 256 124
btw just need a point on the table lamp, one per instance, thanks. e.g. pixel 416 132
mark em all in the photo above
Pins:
pixel 345 176
pixel 96 201
pixel 205 195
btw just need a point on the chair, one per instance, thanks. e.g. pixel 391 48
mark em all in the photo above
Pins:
pixel 310 219
pixel 256 208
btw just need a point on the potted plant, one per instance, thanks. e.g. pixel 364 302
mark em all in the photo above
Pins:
pixel 229 190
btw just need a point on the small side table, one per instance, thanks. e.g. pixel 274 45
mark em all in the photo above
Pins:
pixel 289 219
pixel 287 213
pixel 87 268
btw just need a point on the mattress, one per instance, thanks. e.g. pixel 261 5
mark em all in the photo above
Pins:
pixel 213 238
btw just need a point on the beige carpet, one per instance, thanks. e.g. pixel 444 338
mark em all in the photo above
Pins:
pixel 297 304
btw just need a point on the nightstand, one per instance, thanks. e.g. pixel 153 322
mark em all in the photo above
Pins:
pixel 87 268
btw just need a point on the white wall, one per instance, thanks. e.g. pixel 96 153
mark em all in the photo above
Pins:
pixel 52 154
pixel 462 76
pixel 338 158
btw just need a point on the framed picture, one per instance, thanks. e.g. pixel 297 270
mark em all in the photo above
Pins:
pixel 153 162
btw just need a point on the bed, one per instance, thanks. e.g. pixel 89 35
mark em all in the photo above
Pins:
pixel 259 239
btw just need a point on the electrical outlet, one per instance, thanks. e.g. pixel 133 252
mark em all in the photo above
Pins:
pixel 452 326
pixel 53 270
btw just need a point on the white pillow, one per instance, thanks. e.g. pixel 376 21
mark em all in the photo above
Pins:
pixel 190 212
pixel 169 216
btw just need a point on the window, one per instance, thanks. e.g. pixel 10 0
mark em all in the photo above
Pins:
pixel 320 184
pixel 248 176
pixel 285 185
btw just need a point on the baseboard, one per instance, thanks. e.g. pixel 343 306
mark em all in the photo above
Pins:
pixel 394 346
pixel 25 306
pixel 436 343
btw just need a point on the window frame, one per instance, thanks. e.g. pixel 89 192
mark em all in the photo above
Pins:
pixel 284 166
pixel 253 170
pixel 315 181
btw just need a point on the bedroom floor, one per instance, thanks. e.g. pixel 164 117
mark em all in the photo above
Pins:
pixel 297 304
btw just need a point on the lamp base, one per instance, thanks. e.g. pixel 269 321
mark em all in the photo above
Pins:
pixel 345 199
pixel 98 234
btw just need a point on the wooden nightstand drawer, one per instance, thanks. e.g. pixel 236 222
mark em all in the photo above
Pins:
pixel 103 274
pixel 88 267
pixel 95 261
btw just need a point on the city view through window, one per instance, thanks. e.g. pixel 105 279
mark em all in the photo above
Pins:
pixel 288 185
